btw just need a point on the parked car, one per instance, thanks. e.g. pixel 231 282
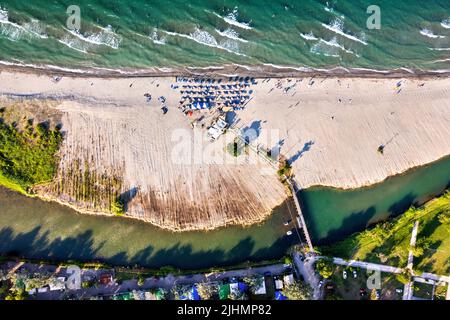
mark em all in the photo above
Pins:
pixel 320 283
pixel 344 274
pixel 355 274
pixel 399 290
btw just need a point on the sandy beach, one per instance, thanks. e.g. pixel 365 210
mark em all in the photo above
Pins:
pixel 328 128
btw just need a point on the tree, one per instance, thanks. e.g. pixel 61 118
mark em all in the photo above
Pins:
pixel 325 268
pixel 254 282
pixel 444 217
pixel 288 260
pixel 17 295
pixel 421 246
pixel 404 277
pixel 297 291
pixel 140 280
pixel 117 207
pixel 373 295
pixel 207 290
pixel 238 295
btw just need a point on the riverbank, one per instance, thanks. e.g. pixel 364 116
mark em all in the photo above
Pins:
pixel 329 128
pixel 45 230
pixel 36 229
pixel 333 214
pixel 389 242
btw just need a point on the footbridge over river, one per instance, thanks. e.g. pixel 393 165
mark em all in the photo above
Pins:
pixel 260 151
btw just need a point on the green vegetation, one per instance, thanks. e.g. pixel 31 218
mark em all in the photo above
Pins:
pixel 236 148
pixel 351 287
pixel 140 280
pixel 388 242
pixel 87 284
pixel 207 290
pixel 325 268
pixel 118 207
pixel 285 169
pixel 297 291
pixel 27 156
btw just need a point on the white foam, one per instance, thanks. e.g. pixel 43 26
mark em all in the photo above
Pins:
pixel 439 49
pixel 308 36
pixel 275 66
pixel 231 34
pixel 41 67
pixel 157 40
pixel 10 30
pixel 105 37
pixel 441 60
pixel 205 38
pixel 232 19
pixel 428 33
pixel 446 23
pixel 334 43
pixel 73 44
pixel 14 31
pixel 330 48
pixel 35 28
pixel 337 26
pixel 331 10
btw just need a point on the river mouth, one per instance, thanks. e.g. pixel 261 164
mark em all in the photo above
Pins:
pixel 36 229
pixel 333 214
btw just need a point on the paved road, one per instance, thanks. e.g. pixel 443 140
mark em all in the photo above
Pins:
pixel 383 268
pixel 367 265
pixel 166 282
pixel 307 270
pixel 407 291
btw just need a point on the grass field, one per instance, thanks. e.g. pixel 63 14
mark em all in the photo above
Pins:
pixel 388 242
pixel 350 288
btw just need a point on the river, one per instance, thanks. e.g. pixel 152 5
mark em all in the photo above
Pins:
pixel 42 230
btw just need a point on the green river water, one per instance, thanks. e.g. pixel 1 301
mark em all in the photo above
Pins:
pixel 36 229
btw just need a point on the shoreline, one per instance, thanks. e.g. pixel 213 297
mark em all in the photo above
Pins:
pixel 248 224
pixel 372 185
pixel 82 211
pixel 227 70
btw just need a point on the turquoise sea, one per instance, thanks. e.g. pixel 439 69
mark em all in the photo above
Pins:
pixel 135 35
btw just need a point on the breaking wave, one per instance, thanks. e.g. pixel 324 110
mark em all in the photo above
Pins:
pixel 205 38
pixel 308 36
pixel 331 10
pixel 74 44
pixel 439 49
pixel 330 48
pixel 232 19
pixel 156 39
pixel 428 33
pixel 337 26
pixel 446 23
pixel 230 34
pixel 14 31
pixel 105 37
